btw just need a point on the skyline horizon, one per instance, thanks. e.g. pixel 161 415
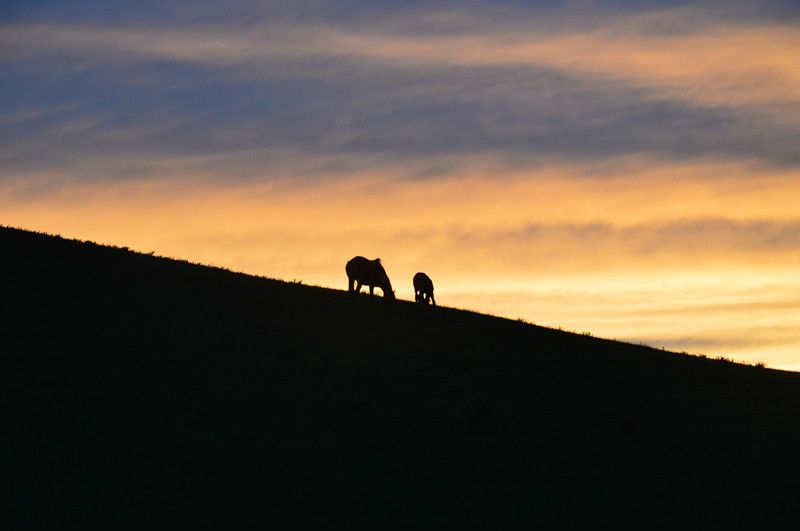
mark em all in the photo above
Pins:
pixel 473 301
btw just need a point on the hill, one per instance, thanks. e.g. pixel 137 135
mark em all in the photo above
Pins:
pixel 145 392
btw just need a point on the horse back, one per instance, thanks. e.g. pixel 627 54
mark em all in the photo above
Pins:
pixel 369 272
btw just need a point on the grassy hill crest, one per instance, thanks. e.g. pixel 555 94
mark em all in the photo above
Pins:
pixel 150 392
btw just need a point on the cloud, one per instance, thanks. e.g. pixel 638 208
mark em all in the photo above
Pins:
pixel 519 118
pixel 555 220
pixel 695 52
pixel 746 315
pixel 515 84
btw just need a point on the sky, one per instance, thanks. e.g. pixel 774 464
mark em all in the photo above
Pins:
pixel 625 169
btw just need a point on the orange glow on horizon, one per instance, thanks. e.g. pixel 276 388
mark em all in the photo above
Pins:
pixel 611 256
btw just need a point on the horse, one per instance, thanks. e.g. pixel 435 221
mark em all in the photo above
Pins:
pixel 364 272
pixel 423 289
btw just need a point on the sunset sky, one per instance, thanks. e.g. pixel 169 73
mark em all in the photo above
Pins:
pixel 628 169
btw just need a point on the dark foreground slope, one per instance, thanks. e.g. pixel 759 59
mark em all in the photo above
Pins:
pixel 141 392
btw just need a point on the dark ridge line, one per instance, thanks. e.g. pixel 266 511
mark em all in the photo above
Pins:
pixel 297 283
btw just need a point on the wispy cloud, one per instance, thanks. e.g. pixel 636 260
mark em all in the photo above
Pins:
pixel 684 52
pixel 519 85
pixel 558 218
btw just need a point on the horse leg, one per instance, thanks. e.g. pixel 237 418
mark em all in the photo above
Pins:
pixel 372 290
pixel 351 284
pixel 432 299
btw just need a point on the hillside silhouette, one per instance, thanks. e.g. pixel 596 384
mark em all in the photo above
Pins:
pixel 144 392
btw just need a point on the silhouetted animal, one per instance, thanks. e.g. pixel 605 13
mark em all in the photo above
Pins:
pixel 423 289
pixel 364 272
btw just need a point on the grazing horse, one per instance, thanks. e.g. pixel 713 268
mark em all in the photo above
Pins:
pixel 364 272
pixel 423 289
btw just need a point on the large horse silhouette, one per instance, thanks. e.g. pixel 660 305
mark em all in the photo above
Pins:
pixel 364 272
pixel 423 289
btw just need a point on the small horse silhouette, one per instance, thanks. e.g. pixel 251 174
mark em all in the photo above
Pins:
pixel 423 289
pixel 364 272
